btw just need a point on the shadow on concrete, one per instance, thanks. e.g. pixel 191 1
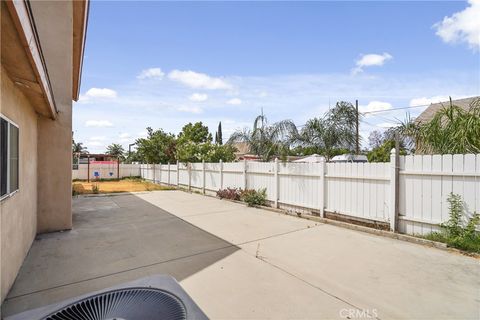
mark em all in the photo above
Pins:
pixel 115 239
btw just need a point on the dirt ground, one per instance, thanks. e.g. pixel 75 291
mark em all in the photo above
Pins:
pixel 124 185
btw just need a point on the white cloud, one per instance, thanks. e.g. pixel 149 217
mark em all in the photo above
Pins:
pixel 425 101
pixel 198 97
pixel 152 73
pixel 98 138
pixel 462 26
pixel 95 144
pixel 125 137
pixel 369 60
pixel 198 80
pixel 375 106
pixel 195 110
pixel 262 94
pixel 142 134
pixel 234 101
pixel 99 93
pixel 98 123
pixel 387 125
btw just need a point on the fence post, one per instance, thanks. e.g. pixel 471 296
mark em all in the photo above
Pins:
pixel 168 175
pixel 221 174
pixel 178 173
pixel 321 199
pixel 275 172
pixel 393 190
pixel 189 169
pixel 244 174
pixel 153 164
pixel 203 176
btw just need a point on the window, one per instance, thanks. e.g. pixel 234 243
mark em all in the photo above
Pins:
pixel 9 157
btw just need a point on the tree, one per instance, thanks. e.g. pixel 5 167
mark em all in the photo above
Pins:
pixel 226 153
pixel 451 130
pixel 197 133
pixel 77 147
pixel 265 140
pixel 343 118
pixel 133 156
pixel 382 152
pixel 158 147
pixel 335 130
pixel 208 152
pixel 116 150
pixel 375 139
pixel 218 134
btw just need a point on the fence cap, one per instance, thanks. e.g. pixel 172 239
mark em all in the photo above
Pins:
pixel 393 152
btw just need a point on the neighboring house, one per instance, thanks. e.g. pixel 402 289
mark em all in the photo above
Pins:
pixel 42 44
pixel 97 159
pixel 430 112
pixel 242 150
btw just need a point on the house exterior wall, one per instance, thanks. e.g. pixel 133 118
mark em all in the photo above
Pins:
pixel 43 202
pixel 18 212
pixel 54 22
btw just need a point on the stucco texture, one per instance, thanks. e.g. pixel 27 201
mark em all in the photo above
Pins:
pixel 18 212
pixel 55 137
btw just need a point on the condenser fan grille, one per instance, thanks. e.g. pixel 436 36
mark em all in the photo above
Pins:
pixel 128 304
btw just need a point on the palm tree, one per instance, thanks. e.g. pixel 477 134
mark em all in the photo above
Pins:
pixel 265 140
pixel 451 130
pixel 116 150
pixel 335 130
pixel 77 147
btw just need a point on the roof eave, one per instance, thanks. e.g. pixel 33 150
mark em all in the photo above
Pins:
pixel 22 17
pixel 80 22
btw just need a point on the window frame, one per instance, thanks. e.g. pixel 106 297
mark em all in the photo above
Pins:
pixel 10 193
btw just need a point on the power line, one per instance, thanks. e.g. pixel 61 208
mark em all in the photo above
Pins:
pixel 394 109
pixel 385 118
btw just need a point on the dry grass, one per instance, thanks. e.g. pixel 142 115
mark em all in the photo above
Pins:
pixel 125 185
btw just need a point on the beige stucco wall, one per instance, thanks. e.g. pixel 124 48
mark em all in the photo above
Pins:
pixel 44 201
pixel 53 20
pixel 19 212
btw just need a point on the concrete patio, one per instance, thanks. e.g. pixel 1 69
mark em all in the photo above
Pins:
pixel 239 262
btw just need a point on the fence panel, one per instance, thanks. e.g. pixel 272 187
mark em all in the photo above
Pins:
pixel 173 174
pixel 233 175
pixel 426 181
pixel 129 170
pixel 261 175
pixel 299 184
pixel 183 175
pixel 358 189
pixel 105 171
pixel 212 176
pixel 196 171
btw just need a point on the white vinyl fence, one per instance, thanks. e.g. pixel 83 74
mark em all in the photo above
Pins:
pixel 425 184
pixel 411 197
pixel 105 171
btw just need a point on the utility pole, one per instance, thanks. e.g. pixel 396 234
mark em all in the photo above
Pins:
pixel 358 138
pixel 130 148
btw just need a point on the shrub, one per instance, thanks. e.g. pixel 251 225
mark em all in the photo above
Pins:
pixel 455 233
pixel 255 198
pixel 95 188
pixel 229 193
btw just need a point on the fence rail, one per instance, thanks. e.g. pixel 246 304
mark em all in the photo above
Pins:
pixel 410 197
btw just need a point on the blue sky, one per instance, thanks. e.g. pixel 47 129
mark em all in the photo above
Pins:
pixel 163 64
